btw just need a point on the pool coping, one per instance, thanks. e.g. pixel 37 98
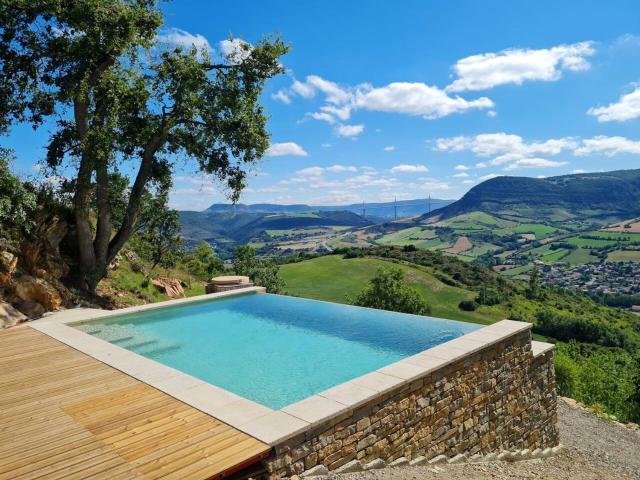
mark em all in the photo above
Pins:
pixel 263 423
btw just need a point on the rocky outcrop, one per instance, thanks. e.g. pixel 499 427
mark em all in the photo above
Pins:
pixel 135 262
pixel 30 289
pixel 8 265
pixel 171 287
pixel 9 316
pixel 42 258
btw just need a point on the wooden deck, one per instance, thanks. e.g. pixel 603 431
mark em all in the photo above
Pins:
pixel 66 415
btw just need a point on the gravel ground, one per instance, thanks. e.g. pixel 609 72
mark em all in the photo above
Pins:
pixel 595 449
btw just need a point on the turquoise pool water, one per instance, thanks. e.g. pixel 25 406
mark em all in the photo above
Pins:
pixel 274 349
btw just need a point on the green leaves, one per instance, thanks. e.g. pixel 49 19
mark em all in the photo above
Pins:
pixel 389 290
pixel 117 98
pixel 17 204
pixel 262 272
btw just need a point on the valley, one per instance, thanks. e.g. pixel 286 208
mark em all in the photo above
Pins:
pixel 556 226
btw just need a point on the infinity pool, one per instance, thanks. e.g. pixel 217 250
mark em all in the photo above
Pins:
pixel 272 349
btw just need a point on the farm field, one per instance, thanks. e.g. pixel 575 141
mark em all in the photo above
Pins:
pixel 475 221
pixel 580 256
pixel 334 278
pixel 624 256
pixel 539 230
pixel 404 235
pixel 514 272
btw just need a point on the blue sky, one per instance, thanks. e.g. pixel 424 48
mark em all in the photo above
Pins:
pixel 402 99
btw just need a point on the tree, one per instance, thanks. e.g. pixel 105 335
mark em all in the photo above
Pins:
pixel 17 204
pixel 533 290
pixel 204 262
pixel 244 260
pixel 159 235
pixel 262 272
pixel 389 290
pixel 120 106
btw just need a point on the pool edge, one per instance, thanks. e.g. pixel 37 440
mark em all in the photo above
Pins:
pixel 265 424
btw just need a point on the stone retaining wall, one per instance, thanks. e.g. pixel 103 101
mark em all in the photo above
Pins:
pixel 501 397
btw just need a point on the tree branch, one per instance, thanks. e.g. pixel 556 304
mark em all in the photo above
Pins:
pixel 219 66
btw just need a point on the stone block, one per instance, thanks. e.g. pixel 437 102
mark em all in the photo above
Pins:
pixel 460 458
pixel 316 471
pixel 376 464
pixel 350 467
pixel 438 460
pixel 399 462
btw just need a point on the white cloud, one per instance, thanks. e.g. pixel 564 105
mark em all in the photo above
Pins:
pixel 334 93
pixel 513 152
pixel 626 108
pixel 515 66
pixel 505 148
pixel 534 163
pixel 492 113
pixel 302 89
pixel 349 130
pixel 608 146
pixel 390 148
pixel 461 175
pixel 337 197
pixel 489 176
pixel 579 170
pixel 435 186
pixel 325 117
pixel 468 182
pixel 281 96
pixel 343 113
pixel 310 172
pixel 398 97
pixel 286 148
pixel 415 99
pixel 326 145
pixel 406 168
pixel 341 168
pixel 461 168
pixel 235 49
pixel 181 38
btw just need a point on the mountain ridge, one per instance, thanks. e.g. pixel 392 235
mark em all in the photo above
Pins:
pixel 405 208
pixel 600 195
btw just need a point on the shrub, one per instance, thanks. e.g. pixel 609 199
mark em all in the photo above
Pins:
pixel 262 272
pixel 389 290
pixel 566 375
pixel 203 263
pixel 468 305
pixel 17 204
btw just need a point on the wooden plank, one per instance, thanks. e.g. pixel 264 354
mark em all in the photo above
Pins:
pixel 66 415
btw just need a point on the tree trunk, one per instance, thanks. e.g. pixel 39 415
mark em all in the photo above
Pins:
pixel 133 208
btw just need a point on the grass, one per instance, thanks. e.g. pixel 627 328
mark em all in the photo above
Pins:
pixel 474 221
pixel 624 256
pixel 412 233
pixel 479 249
pixel 580 256
pixel 515 271
pixel 335 279
pixel 538 229
pixel 279 233
pixel 128 288
pixel 590 242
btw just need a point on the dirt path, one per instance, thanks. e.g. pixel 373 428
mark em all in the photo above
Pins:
pixel 594 450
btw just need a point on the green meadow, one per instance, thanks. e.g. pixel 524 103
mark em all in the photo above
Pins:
pixel 336 279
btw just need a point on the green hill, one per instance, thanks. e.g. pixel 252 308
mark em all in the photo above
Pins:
pixel 225 230
pixel 334 278
pixel 600 197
